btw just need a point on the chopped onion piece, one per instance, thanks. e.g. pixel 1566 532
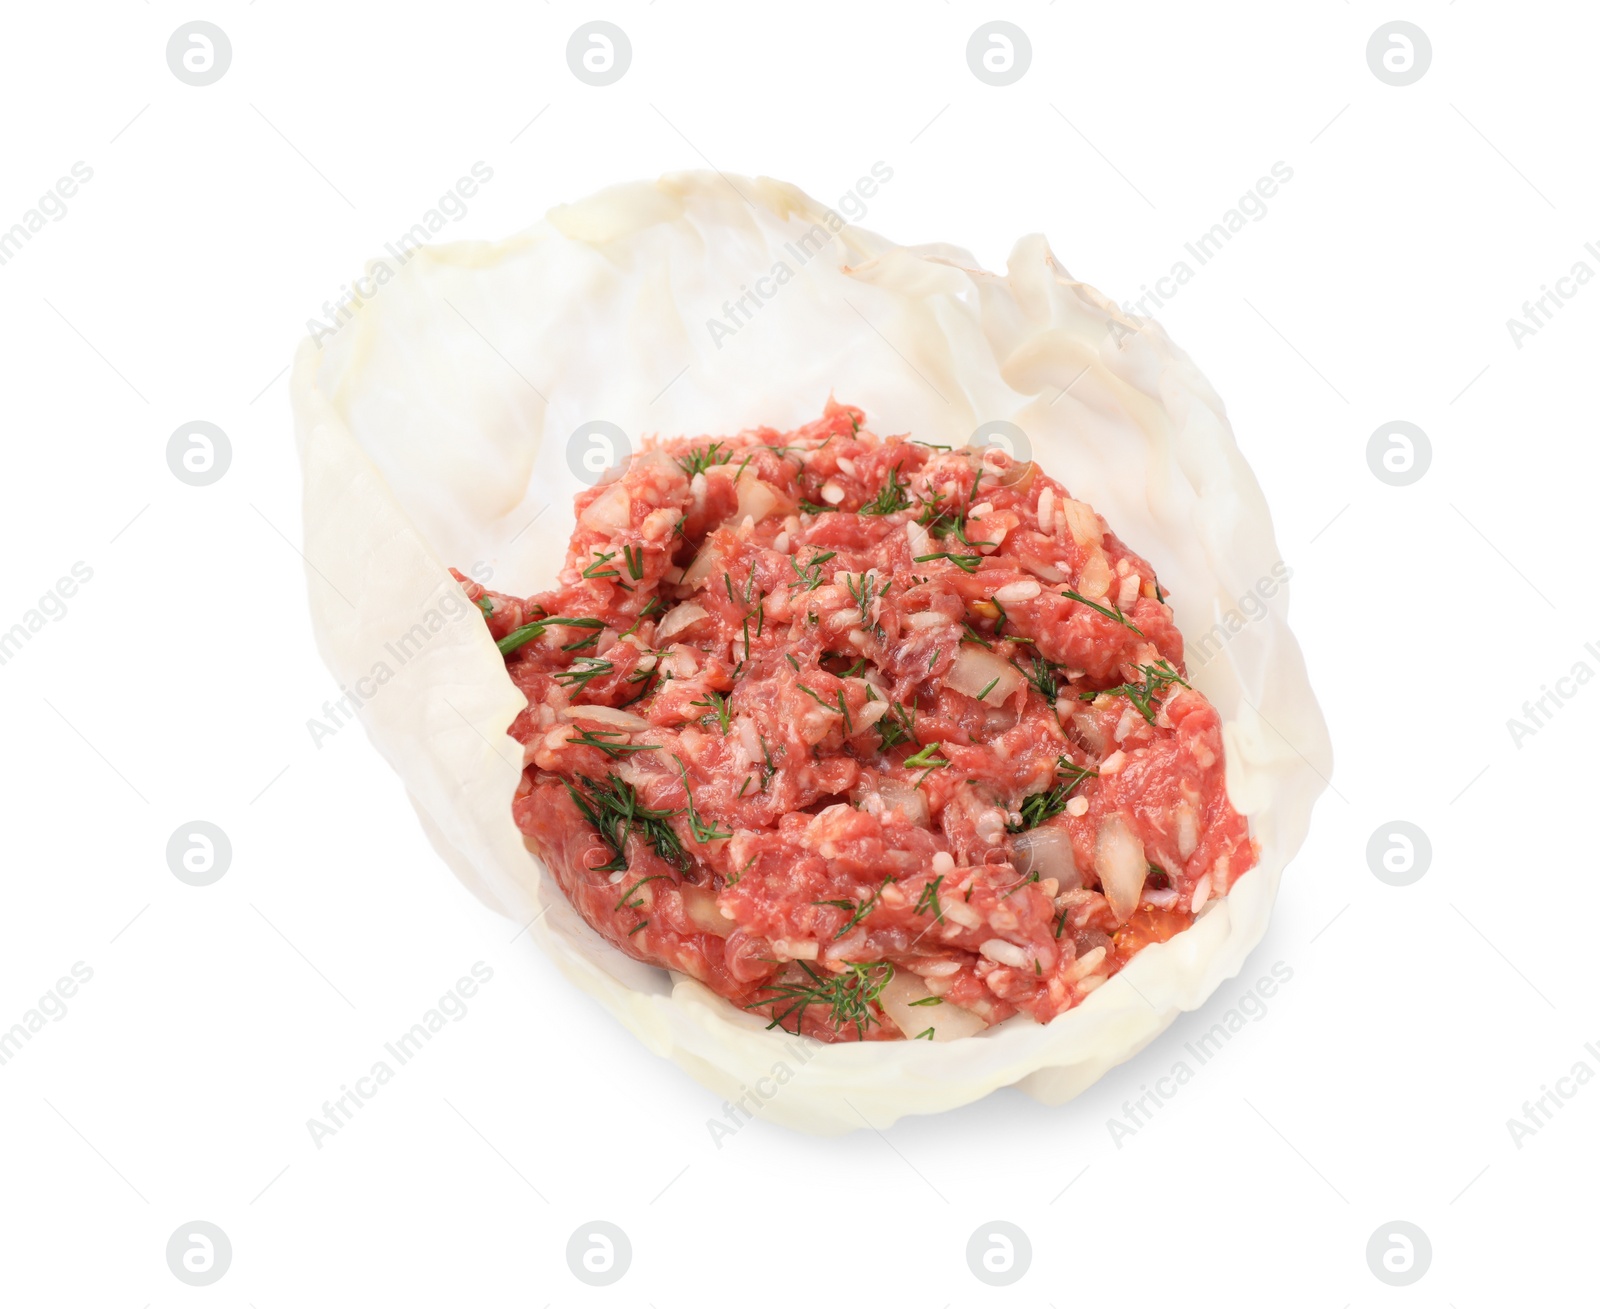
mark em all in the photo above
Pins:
pixel 701 907
pixel 756 499
pixel 1082 522
pixel 1048 852
pixel 1094 578
pixel 977 671
pixel 1119 860
pixel 705 563
pixel 908 798
pixel 676 620
pixel 948 1021
pixel 610 510
pixel 599 713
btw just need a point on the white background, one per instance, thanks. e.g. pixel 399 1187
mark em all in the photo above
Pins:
pixel 1419 1019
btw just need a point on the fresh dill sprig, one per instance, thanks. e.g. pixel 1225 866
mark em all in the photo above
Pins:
pixel 924 758
pixel 702 830
pixel 613 809
pixel 850 997
pixel 974 637
pixel 649 609
pixel 892 497
pixel 534 630
pixel 966 563
pixel 597 568
pixel 697 461
pixel 583 670
pixel 842 709
pixel 898 726
pixel 611 747
pixel 1157 678
pixel 865 593
pixel 929 899
pixel 857 910
pixel 1041 676
pixel 718 705
pixel 1044 806
pixel 633 557
pixel 628 901
pixel 810 575
pixel 1114 613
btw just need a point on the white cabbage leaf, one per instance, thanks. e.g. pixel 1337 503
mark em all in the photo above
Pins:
pixel 434 428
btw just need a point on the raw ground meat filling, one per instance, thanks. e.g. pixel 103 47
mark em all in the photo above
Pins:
pixel 876 739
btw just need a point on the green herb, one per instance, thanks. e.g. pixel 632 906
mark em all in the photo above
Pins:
pixel 809 507
pixel 942 521
pixel 966 563
pixel 1029 880
pixel 891 498
pixel 486 604
pixel 1000 623
pixel 937 520
pixel 596 739
pixel 898 726
pixel 1044 806
pixel 1041 676
pixel 520 637
pixel 929 899
pixel 973 637
pixel 926 1000
pixel 718 704
pixel 811 575
pixel 856 911
pixel 767 767
pixel 1157 678
pixel 595 569
pixel 1114 613
pixel 639 926
pixel 866 594
pixel 697 461
pixel 627 896
pixel 633 556
pixel 924 758
pixel 734 880
pixel 849 997
pixel 613 809
pixel 988 688
pixel 843 710
pixel 702 830
pixel 926 1034
pixel 645 675
pixel 584 669
pixel 534 630
pixel 1061 921
pixel 654 605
